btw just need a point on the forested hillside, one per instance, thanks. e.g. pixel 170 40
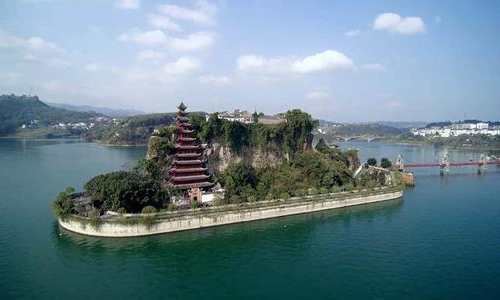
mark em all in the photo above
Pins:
pixel 18 110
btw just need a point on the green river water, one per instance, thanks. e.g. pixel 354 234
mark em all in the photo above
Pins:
pixel 441 241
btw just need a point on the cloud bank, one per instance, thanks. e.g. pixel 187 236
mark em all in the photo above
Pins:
pixel 393 22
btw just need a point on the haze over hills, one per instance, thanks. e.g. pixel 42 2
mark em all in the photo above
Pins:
pixel 111 112
pixel 18 110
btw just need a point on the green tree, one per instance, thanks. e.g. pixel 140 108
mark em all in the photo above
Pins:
pixel 371 161
pixel 62 206
pixel 385 163
pixel 129 190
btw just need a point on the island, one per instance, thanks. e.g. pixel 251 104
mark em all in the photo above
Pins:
pixel 209 171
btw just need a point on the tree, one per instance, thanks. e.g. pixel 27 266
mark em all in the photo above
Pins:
pixel 63 205
pixel 129 190
pixel 385 163
pixel 255 117
pixel 371 161
pixel 238 178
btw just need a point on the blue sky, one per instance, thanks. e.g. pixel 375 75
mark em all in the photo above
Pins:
pixel 339 60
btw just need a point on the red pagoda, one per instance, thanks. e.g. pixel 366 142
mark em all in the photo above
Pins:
pixel 188 167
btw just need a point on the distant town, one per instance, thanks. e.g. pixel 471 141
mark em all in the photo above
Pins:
pixel 448 129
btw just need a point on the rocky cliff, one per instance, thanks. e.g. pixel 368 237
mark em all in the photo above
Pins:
pixel 219 155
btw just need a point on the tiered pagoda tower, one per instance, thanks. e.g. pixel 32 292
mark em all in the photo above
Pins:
pixel 188 167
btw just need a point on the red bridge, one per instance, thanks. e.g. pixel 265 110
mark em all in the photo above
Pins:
pixel 445 163
pixel 452 164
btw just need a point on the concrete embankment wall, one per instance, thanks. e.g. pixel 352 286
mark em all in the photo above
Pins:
pixel 216 218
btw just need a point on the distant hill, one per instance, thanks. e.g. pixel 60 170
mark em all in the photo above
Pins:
pixel 111 112
pixel 18 110
pixel 327 123
pixel 366 129
pixel 403 125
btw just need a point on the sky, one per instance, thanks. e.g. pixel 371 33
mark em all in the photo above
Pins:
pixel 338 60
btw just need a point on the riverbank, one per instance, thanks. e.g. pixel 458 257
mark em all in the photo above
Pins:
pixel 165 222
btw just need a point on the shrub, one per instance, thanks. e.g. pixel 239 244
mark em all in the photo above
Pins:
pixel 234 199
pixel 301 193
pixel 323 190
pixel 335 189
pixel 285 196
pixel 349 187
pixel 80 209
pixel 385 163
pixel 313 191
pixel 371 161
pixel 121 211
pixel 149 210
pixel 147 219
pixel 95 219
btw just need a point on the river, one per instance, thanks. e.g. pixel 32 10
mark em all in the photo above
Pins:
pixel 442 240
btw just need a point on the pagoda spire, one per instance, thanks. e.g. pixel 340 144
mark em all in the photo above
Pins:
pixel 188 167
pixel 182 106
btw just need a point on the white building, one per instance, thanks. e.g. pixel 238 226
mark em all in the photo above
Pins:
pixel 458 129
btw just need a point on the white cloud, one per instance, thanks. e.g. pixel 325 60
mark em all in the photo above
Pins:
pixel 354 32
pixel 196 41
pixel 95 66
pixel 150 55
pixel 394 104
pixel 327 60
pixel 182 66
pixel 317 95
pixel 193 42
pixel 128 4
pixel 395 23
pixel 150 38
pixel 259 64
pixel 202 14
pixel 169 73
pixel 35 44
pixel 218 80
pixel 58 63
pixel 163 22
pixel 376 67
pixel 52 86
pixel 30 57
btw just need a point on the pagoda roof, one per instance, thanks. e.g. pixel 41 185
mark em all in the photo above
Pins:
pixel 187 131
pixel 188 178
pixel 187 170
pixel 187 162
pixel 181 118
pixel 186 139
pixel 187 155
pixel 182 106
pixel 187 146
pixel 184 124
pixel 191 185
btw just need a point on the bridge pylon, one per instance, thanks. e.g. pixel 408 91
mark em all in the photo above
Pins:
pixel 481 169
pixel 445 165
pixel 400 162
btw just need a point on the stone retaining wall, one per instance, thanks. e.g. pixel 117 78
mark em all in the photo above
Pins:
pixel 216 218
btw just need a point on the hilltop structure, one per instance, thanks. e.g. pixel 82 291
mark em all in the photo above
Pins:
pixel 244 116
pixel 188 173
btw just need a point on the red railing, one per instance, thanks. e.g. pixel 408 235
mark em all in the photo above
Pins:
pixel 452 164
